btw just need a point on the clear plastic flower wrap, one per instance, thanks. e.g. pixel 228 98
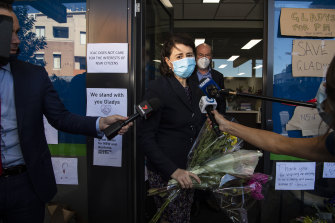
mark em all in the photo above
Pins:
pixel 236 195
pixel 212 158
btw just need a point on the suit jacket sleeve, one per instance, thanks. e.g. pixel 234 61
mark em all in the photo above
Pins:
pixel 148 141
pixel 59 117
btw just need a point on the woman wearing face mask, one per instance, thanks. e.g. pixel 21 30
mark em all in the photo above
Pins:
pixel 320 148
pixel 168 135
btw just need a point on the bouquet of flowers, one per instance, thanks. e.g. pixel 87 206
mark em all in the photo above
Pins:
pixel 218 161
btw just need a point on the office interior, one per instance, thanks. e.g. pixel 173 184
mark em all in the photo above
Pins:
pixel 118 194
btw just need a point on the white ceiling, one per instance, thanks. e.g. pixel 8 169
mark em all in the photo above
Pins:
pixel 225 10
pixel 227 25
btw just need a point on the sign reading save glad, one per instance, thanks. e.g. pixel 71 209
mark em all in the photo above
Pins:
pixel 311 58
pixel 307 22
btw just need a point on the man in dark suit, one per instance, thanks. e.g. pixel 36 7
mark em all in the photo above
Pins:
pixel 203 70
pixel 27 180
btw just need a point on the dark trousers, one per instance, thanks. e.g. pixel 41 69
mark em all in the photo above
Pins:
pixel 18 201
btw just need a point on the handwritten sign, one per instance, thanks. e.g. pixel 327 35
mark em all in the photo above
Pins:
pixel 105 102
pixel 66 170
pixel 308 121
pixel 311 58
pixel 328 170
pixel 107 58
pixel 307 22
pixel 295 175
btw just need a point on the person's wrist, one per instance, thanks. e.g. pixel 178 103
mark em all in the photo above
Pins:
pixel 227 126
pixel 101 123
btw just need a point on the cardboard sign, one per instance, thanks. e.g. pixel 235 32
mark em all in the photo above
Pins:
pixel 307 22
pixel 308 121
pixel 311 58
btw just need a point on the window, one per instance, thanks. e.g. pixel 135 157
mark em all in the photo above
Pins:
pixel 39 57
pixel 57 61
pixel 83 38
pixel 40 31
pixel 61 32
pixel 80 63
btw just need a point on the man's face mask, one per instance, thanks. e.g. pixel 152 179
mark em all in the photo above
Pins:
pixel 203 62
pixel 321 99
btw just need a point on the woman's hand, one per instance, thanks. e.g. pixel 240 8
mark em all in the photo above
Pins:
pixel 184 178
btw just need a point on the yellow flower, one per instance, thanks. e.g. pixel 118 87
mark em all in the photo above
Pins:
pixel 233 139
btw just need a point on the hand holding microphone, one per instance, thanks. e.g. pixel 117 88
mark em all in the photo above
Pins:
pixel 144 109
pixel 207 105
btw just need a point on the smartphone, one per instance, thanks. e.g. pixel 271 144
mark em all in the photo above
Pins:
pixel 6 28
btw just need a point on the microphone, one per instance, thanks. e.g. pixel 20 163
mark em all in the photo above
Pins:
pixel 207 105
pixel 211 89
pixel 144 109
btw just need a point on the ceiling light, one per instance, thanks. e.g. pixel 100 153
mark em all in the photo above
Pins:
pixel 157 61
pixel 199 41
pixel 222 66
pixel 210 1
pixel 250 44
pixel 240 74
pixel 258 66
pixel 232 58
pixel 166 3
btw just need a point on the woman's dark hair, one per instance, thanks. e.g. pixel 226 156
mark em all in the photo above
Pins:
pixel 167 49
pixel 330 91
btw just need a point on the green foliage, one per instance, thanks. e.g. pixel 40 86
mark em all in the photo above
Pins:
pixel 30 44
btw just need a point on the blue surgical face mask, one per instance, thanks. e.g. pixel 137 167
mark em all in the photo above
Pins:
pixel 320 104
pixel 184 67
pixel 320 96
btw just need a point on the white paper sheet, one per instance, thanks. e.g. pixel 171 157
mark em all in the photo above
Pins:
pixel 51 133
pixel 66 170
pixel 295 175
pixel 328 170
pixel 107 58
pixel 105 102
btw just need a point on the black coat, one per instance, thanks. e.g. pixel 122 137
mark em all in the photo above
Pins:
pixel 35 97
pixel 218 78
pixel 168 135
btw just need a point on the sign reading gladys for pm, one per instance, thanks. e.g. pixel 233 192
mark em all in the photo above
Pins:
pixel 307 22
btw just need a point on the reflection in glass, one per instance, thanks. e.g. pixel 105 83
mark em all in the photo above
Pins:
pixel 157 28
pixel 245 78
pixel 57 61
pixel 60 32
pixel 40 31
pixel 57 42
pixel 284 84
